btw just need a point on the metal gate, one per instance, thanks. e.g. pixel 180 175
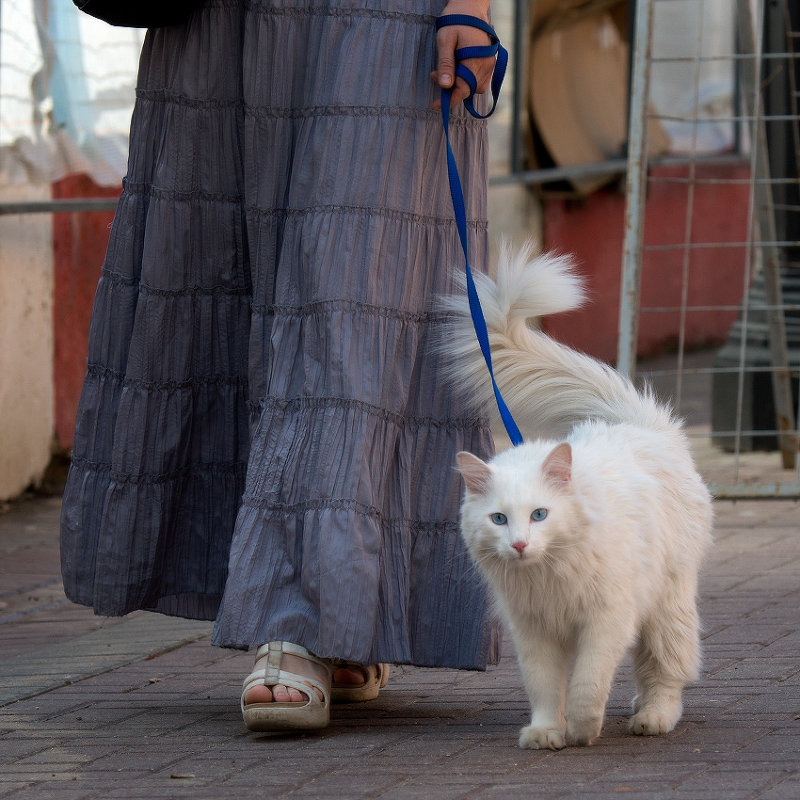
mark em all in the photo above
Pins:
pixel 744 430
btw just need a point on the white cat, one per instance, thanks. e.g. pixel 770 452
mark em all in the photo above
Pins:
pixel 591 538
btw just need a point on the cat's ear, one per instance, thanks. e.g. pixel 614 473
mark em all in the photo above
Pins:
pixel 557 467
pixel 476 473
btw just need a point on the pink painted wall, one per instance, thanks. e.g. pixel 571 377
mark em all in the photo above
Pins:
pixel 79 245
pixel 592 230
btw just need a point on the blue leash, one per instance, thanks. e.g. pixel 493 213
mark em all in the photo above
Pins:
pixel 496 50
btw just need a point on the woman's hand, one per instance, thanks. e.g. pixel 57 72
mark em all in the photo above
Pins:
pixel 454 37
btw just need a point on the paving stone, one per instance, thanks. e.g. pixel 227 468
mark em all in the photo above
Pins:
pixel 13 787
pixel 787 788
pixel 143 707
pixel 54 791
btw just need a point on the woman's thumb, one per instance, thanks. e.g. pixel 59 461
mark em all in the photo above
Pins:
pixel 445 70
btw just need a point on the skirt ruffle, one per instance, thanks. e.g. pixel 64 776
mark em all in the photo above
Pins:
pixel 264 435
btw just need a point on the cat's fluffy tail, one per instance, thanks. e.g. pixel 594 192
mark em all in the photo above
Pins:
pixel 547 386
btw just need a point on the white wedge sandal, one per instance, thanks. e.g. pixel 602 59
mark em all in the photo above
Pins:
pixel 311 715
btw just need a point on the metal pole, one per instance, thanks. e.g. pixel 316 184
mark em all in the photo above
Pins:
pixel 56 206
pixel 779 351
pixel 521 12
pixel 635 190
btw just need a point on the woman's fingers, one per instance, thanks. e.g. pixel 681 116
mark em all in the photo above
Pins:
pixel 448 40
pixel 453 37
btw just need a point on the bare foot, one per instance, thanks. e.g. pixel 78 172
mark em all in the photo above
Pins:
pixel 352 676
pixel 278 693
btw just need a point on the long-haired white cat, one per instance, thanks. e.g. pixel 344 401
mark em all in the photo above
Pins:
pixel 591 538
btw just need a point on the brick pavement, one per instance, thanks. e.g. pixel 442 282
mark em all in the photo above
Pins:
pixel 143 707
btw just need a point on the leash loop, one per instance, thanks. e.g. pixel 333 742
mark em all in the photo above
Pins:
pixel 493 49
pixel 496 50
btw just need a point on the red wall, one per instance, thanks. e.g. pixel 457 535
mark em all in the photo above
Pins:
pixel 79 245
pixel 592 230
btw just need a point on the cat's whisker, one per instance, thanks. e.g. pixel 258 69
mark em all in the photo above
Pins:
pixel 562 545
pixel 484 559
pixel 548 559
pixel 476 561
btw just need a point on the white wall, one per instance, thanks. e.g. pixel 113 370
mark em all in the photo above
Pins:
pixel 514 209
pixel 26 343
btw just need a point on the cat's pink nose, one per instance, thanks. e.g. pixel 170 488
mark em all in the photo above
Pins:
pixel 519 546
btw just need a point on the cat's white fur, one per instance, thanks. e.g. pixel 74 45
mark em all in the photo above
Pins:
pixel 614 561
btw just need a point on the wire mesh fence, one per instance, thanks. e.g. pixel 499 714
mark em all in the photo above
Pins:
pixel 737 161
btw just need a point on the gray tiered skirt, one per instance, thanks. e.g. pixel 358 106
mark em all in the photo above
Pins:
pixel 264 437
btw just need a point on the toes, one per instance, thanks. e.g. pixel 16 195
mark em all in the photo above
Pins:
pixel 280 694
pixel 277 693
pixel 258 694
pixel 288 694
pixel 300 668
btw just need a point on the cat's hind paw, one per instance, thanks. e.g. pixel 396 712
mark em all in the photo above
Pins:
pixel 535 738
pixel 654 722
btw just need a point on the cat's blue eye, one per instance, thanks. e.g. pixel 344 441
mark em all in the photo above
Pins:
pixel 539 514
pixel 498 518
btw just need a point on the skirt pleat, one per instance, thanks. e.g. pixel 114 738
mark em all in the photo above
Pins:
pixel 264 436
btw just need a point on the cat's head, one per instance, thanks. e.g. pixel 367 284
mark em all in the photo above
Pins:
pixel 517 507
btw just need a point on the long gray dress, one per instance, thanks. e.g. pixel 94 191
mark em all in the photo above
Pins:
pixel 264 437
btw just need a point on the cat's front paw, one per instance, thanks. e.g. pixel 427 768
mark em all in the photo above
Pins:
pixel 582 732
pixel 535 738
pixel 654 722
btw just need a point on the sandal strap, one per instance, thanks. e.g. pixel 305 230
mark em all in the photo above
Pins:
pixel 269 677
pixel 272 674
pixel 275 649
